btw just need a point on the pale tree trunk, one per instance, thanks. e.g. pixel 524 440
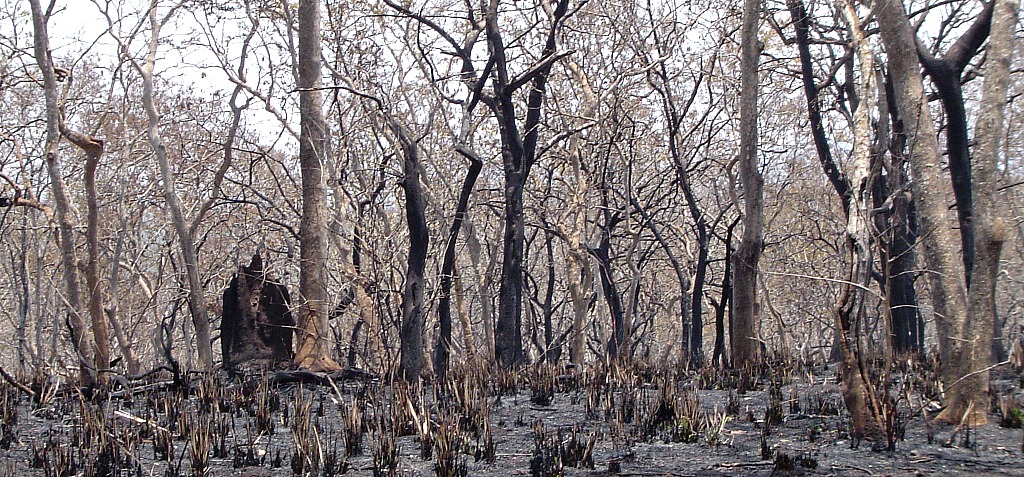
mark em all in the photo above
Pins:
pixel 64 217
pixel 858 391
pixel 745 346
pixel 969 370
pixel 483 285
pixel 940 241
pixel 314 346
pixel 93 149
pixel 196 298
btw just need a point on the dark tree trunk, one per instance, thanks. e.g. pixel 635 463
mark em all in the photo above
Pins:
pixel 508 331
pixel 945 74
pixel 611 293
pixel 802 25
pixel 518 154
pixel 411 363
pixel 724 306
pixel 444 305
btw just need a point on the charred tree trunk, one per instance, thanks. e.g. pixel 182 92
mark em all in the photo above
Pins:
pixel 611 293
pixel 444 305
pixel 723 307
pixel 411 361
pixel 802 25
pixel 518 154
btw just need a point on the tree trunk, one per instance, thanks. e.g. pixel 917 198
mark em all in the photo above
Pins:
pixel 940 242
pixel 858 391
pixel 969 391
pixel 518 154
pixel 411 360
pixel 724 306
pixel 946 76
pixel 508 331
pixel 744 342
pixel 444 307
pixel 802 25
pixel 314 346
pixel 64 215
pixel 93 149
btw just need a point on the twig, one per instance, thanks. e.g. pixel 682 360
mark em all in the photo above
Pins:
pixel 990 368
pixel 25 389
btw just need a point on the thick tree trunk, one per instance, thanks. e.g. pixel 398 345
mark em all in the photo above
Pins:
pixel 508 331
pixel 411 360
pixel 314 346
pixel 940 242
pixel 64 215
pixel 968 393
pixel 744 342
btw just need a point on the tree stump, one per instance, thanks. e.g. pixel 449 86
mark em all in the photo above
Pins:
pixel 257 323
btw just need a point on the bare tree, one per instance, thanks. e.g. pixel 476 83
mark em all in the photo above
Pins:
pixel 940 241
pixel 314 347
pixel 967 393
pixel 65 221
pixel 745 345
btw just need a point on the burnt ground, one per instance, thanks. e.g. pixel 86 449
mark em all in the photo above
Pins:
pixel 717 433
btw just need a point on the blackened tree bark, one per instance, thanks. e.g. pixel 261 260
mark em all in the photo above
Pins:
pixel 719 357
pixel 946 74
pixel 611 292
pixel 901 237
pixel 314 347
pixel 744 343
pixel 518 155
pixel 941 243
pixel 411 360
pixel 442 351
pixel 256 325
pixel 802 25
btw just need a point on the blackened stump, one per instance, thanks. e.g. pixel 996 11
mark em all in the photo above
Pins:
pixel 257 324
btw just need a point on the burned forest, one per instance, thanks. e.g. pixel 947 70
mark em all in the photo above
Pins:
pixel 546 238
